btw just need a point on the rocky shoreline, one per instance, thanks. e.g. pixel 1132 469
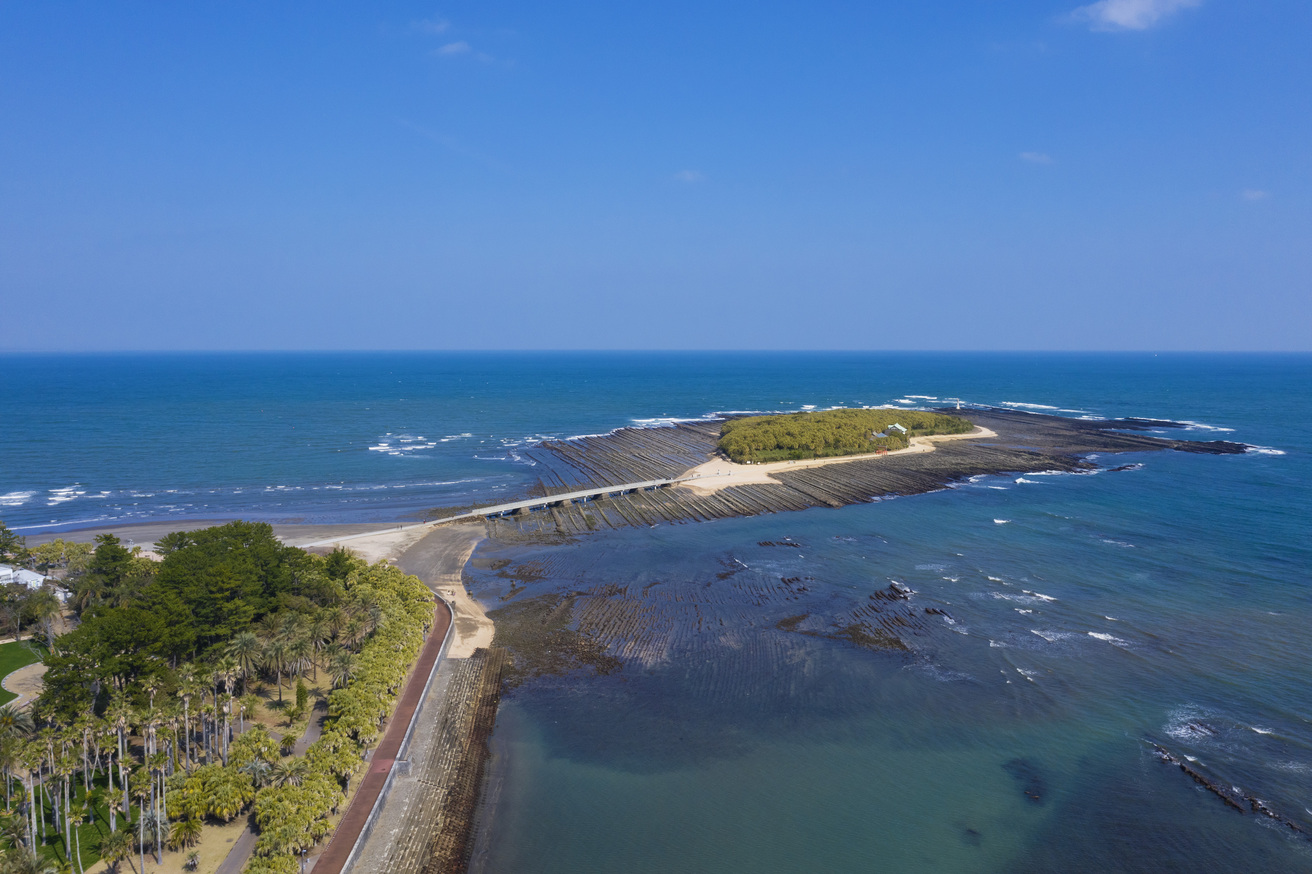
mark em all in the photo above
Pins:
pixel 1024 443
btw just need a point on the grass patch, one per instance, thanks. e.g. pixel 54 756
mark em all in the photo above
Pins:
pixel 14 655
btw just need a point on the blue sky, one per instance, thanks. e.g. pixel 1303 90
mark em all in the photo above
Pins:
pixel 1130 174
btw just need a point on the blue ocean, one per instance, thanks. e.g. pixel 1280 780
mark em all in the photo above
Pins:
pixel 1089 620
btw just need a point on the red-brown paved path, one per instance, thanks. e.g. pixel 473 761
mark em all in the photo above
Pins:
pixel 343 840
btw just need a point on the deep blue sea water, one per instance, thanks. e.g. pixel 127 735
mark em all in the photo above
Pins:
pixel 1091 615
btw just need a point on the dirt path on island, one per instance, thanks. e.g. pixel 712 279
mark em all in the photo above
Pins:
pixel 720 473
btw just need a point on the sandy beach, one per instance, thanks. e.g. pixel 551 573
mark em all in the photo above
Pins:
pixel 720 473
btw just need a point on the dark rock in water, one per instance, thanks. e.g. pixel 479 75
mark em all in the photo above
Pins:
pixel 1134 424
pixel 791 622
pixel 1234 798
pixel 1027 775
pixel 895 592
pixel 1123 467
pixel 1210 447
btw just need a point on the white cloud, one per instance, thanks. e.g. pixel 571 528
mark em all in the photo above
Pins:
pixel 1252 195
pixel 1036 157
pixel 432 25
pixel 1129 14
pixel 689 177
pixel 454 48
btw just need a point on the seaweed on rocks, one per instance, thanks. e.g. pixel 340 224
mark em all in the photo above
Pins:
pixel 452 842
pixel 542 639
pixel 864 635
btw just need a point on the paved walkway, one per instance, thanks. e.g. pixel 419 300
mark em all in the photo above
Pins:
pixel 241 851
pixel 314 730
pixel 334 858
pixel 25 683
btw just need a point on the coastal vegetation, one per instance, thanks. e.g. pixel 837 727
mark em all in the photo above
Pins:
pixel 830 433
pixel 178 699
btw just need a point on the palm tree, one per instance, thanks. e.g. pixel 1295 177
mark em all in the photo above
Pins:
pixel 318 632
pixel 227 670
pixel 25 862
pixel 78 813
pixel 289 773
pixel 187 689
pixel 115 847
pixel 119 715
pixel 46 607
pixel 275 659
pixel 141 784
pixel 15 722
pixel 258 769
pixel 185 833
pixel 63 769
pixel 336 618
pixel 343 667
pixel 300 650
pixel 245 648
pixel 13 831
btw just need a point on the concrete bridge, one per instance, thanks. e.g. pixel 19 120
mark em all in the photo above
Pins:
pixel 529 505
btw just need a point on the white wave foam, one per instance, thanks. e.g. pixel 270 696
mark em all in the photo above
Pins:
pixel 1024 406
pixel 998 488
pixel 1099 635
pixel 16 499
pixel 1039 595
pixel 1262 450
pixel 1121 543
pixel 1029 599
pixel 1199 426
pixel 996 580
pixel 1183 723
pixel 400 444
pixel 1261 730
pixel 994 644
pixel 1001 521
pixel 661 422
pixel 1023 610
pixel 1052 636
pixel 1020 480
pixel 70 493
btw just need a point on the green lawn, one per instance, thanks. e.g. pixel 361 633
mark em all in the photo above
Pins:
pixel 15 655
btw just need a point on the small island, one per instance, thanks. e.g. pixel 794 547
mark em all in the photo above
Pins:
pixel 830 433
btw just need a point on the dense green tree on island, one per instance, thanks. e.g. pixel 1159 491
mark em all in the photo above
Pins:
pixel 830 433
